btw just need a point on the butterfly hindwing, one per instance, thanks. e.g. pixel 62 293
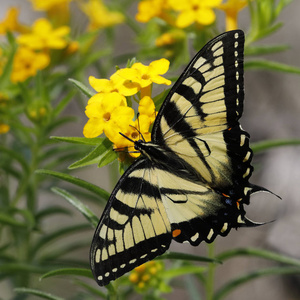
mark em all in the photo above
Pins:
pixel 134 227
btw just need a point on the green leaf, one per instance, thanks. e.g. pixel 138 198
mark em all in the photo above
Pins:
pixel 37 293
pixel 103 154
pixel 69 271
pixel 87 213
pixel 269 144
pixel 233 284
pixel 16 156
pixel 258 253
pixel 83 88
pixel 271 65
pixel 78 182
pixel 91 289
pixel 265 49
pixel 6 70
pixel 171 273
pixel 52 210
pixel 63 103
pixel 18 268
pixel 188 257
pixel 51 237
pixel 79 140
pixel 9 220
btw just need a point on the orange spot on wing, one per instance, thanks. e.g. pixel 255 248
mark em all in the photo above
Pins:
pixel 176 233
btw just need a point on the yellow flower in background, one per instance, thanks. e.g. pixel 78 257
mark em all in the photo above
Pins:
pixel 49 4
pixel 149 9
pixel 147 275
pixel 107 113
pixel 231 9
pixel 57 10
pixel 26 64
pixel 4 128
pixel 194 11
pixel 99 15
pixel 11 23
pixel 44 36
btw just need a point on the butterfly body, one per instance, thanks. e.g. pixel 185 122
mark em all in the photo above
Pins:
pixel 191 182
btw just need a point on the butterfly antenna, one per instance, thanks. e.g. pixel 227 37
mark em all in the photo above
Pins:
pixel 126 137
pixel 138 129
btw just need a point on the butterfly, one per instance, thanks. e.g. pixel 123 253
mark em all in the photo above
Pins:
pixel 191 182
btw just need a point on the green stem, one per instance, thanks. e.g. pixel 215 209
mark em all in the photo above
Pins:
pixel 209 286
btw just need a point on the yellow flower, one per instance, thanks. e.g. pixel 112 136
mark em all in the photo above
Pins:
pixel 147 108
pixel 149 9
pixel 26 64
pixel 151 73
pixel 107 113
pixel 135 130
pixel 57 10
pixel 231 9
pixel 170 38
pixel 147 275
pixel 43 36
pixel 10 22
pixel 49 4
pixel 119 82
pixel 99 15
pixel 4 128
pixel 190 11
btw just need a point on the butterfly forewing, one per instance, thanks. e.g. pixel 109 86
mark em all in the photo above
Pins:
pixel 199 117
pixel 134 227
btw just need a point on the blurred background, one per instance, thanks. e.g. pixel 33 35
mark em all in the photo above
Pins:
pixel 271 111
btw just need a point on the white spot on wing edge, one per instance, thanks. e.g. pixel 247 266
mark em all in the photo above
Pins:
pixel 236 35
pixel 195 237
pixel 210 234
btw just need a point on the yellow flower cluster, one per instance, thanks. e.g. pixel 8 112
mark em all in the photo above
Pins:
pixel 35 42
pixel 108 111
pixel 146 275
pixel 94 9
pixel 179 13
pixel 182 14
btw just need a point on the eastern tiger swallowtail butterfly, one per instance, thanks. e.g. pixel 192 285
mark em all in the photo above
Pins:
pixel 191 182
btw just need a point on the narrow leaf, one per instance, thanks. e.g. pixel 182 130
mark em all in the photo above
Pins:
pixel 79 182
pixel 103 154
pixel 83 88
pixel 79 140
pixel 265 49
pixel 171 273
pixel 37 293
pixel 271 65
pixel 63 103
pixel 91 289
pixel 258 253
pixel 233 284
pixel 188 257
pixel 69 271
pixel 9 220
pixel 87 213
pixel 265 145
